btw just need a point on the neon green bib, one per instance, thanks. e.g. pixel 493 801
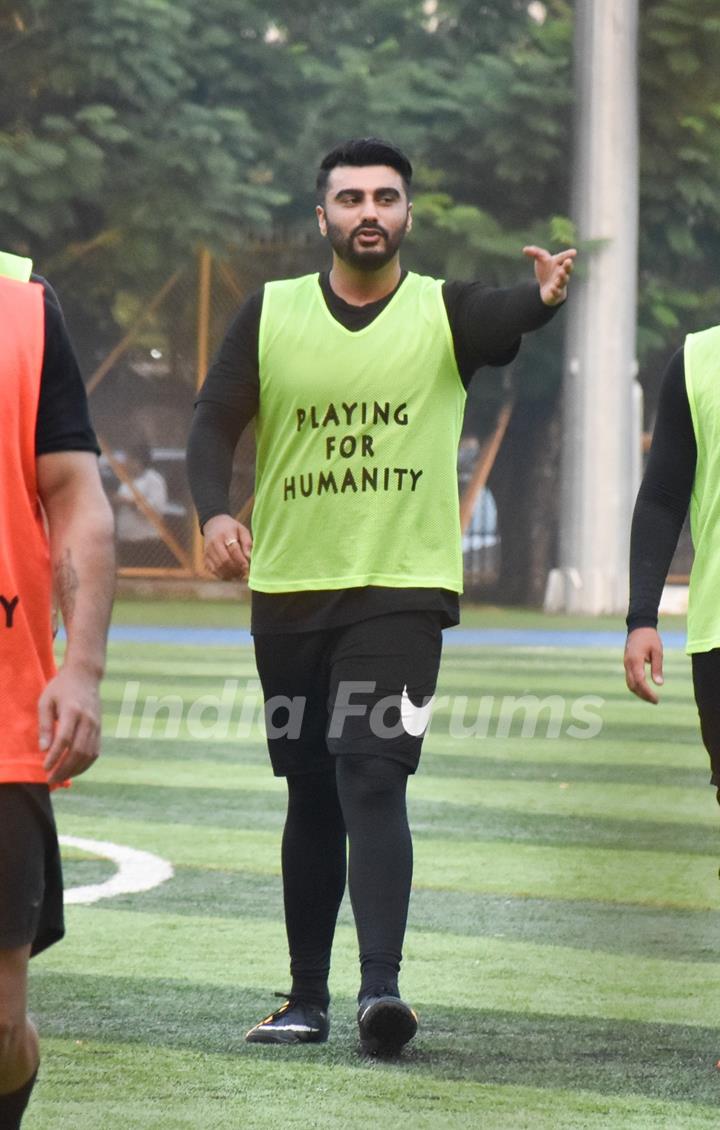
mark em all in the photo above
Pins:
pixel 357 437
pixel 702 379
pixel 15 266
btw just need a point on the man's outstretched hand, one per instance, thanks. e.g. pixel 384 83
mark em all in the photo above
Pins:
pixel 643 646
pixel 552 272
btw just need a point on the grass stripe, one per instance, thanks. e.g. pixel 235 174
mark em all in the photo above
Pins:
pixel 579 799
pixel 250 808
pixel 177 1089
pixel 670 794
pixel 515 869
pixel 679 935
pixel 447 757
pixel 622 750
pixel 460 1046
pixel 478 973
pixel 643 877
pixel 628 772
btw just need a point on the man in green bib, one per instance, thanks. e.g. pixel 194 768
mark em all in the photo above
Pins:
pixel 683 472
pixel 356 378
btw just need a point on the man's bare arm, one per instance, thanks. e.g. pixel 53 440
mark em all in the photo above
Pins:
pixel 83 562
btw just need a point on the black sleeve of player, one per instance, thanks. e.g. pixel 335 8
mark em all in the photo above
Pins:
pixel 50 295
pixel 63 420
pixel 233 379
pixel 487 322
pixel 225 405
pixel 663 498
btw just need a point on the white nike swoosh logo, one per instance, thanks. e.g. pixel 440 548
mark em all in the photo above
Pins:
pixel 415 719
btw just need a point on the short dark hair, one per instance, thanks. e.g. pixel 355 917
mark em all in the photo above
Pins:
pixel 360 151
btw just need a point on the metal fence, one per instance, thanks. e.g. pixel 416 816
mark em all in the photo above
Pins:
pixel 141 399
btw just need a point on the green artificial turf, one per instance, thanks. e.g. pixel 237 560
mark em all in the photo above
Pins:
pixel 562 949
pixel 236 614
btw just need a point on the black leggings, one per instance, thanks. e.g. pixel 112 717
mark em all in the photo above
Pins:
pixel 706 683
pixel 363 799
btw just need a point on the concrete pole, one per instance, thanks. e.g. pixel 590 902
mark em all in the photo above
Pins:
pixel 601 420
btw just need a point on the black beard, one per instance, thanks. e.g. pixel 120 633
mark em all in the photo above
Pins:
pixel 364 259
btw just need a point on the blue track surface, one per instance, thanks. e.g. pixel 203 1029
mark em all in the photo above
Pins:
pixel 455 637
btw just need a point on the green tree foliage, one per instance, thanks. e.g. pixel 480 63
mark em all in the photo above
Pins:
pixel 132 131
pixel 475 93
pixel 680 185
pixel 130 126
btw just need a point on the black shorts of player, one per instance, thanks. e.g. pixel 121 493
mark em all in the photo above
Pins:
pixel 706 683
pixel 31 888
pixel 362 688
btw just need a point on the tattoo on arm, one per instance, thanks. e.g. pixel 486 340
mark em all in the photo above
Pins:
pixel 66 586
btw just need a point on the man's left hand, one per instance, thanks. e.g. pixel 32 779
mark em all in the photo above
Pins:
pixel 552 272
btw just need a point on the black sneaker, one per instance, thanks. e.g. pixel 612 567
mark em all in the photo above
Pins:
pixel 386 1023
pixel 295 1022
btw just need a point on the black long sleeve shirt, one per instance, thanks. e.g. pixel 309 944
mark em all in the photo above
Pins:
pixel 486 325
pixel 663 498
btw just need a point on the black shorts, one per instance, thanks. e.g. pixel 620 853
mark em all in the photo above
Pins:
pixel 361 688
pixel 31 888
pixel 706 683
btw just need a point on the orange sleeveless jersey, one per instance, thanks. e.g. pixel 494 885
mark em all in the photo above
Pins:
pixel 26 646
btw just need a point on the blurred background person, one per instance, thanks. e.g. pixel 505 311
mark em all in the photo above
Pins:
pixel 139 540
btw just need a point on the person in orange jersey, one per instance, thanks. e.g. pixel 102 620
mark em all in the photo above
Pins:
pixel 56 536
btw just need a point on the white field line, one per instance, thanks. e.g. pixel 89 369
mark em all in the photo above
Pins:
pixel 136 871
